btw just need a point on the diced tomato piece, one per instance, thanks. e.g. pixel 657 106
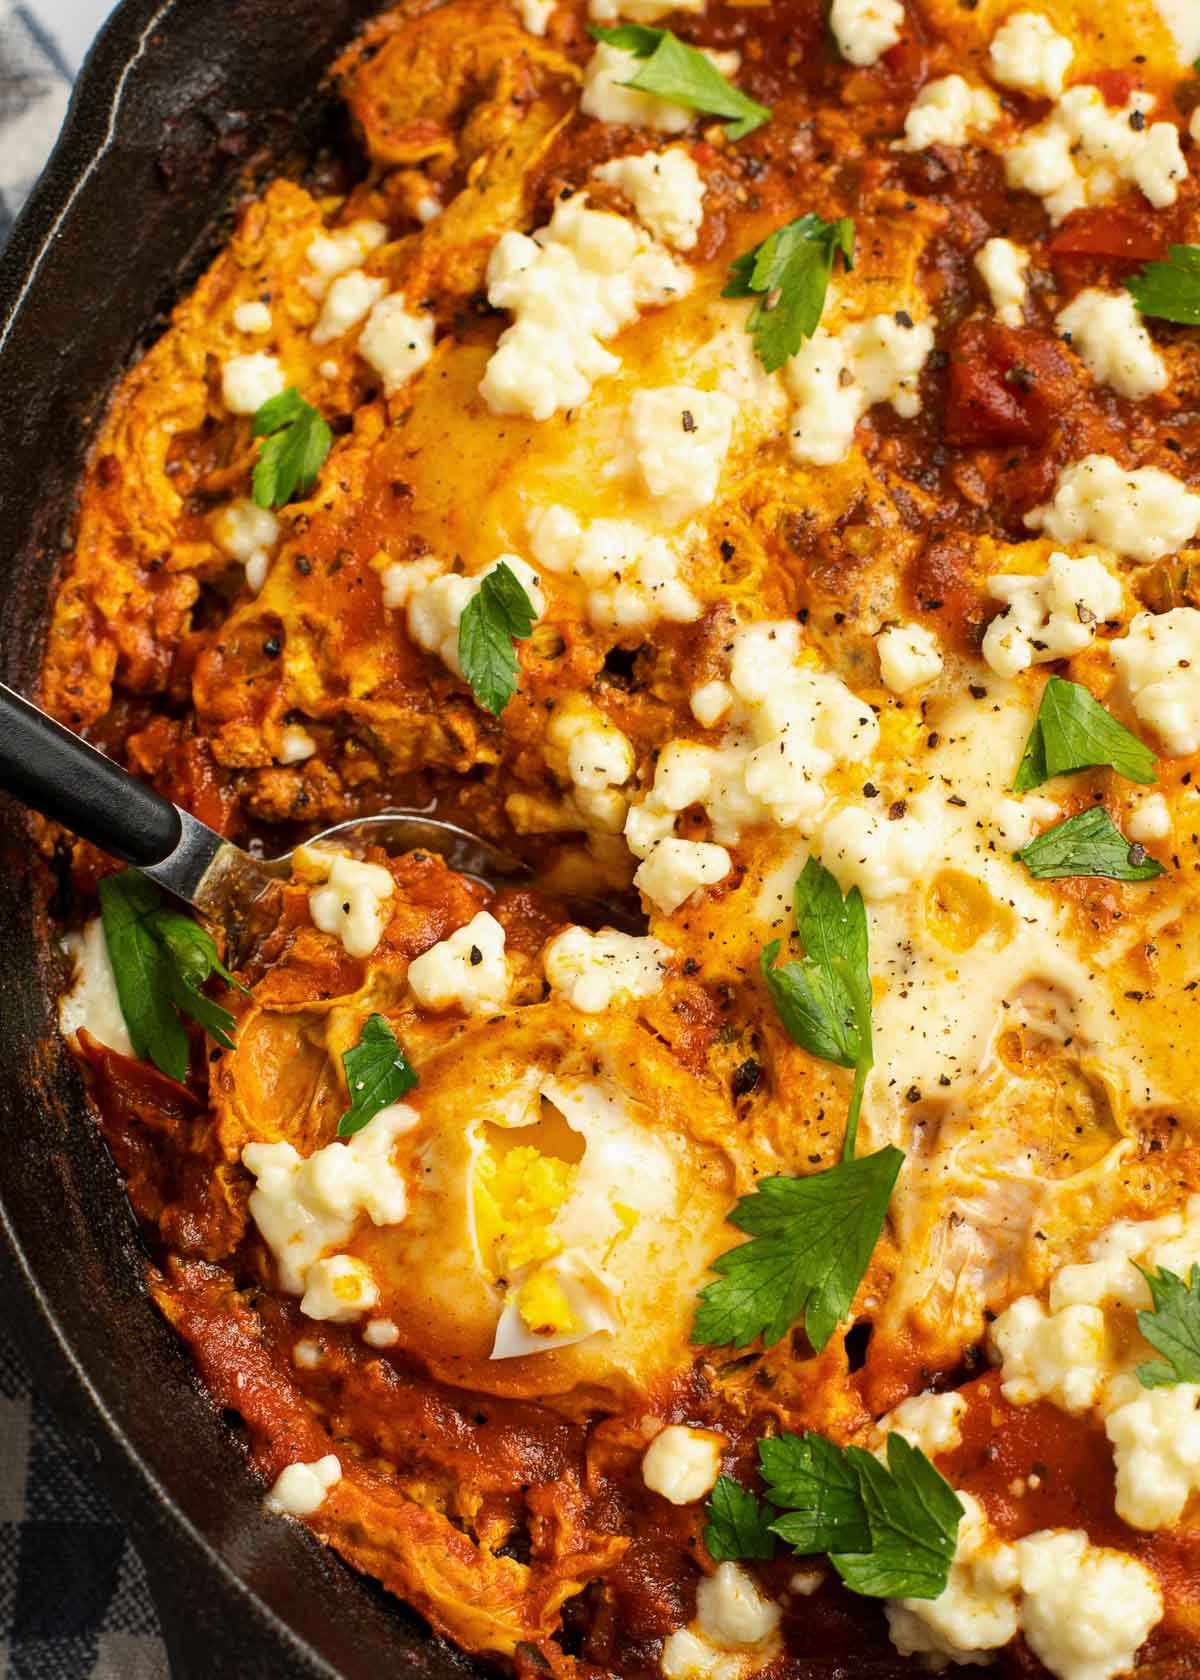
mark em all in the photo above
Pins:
pixel 1122 235
pixel 1115 85
pixel 1007 385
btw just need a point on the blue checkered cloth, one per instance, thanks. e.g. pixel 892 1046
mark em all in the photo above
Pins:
pixel 73 1598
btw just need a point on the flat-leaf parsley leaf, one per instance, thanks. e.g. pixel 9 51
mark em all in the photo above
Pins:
pixel 378 1073
pixel 1089 843
pixel 817 1487
pixel 160 959
pixel 497 614
pixel 738 1523
pixel 789 274
pixel 1073 731
pixel 913 1515
pixel 684 75
pixel 1173 1327
pixel 297 441
pixel 1171 289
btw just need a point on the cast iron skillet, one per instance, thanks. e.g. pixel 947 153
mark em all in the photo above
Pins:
pixel 177 99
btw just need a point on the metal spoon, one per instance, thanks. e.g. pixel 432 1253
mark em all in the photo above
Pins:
pixel 53 771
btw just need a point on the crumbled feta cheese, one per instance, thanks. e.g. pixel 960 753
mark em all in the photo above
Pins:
pixel 680 437
pixel 632 577
pixel 338 1290
pixel 877 853
pixel 865 29
pixel 348 300
pixel 948 112
pixel 381 1333
pixel 396 343
pixel 1014 822
pixel 247 382
pixel 1140 512
pixel 595 970
pixel 666 190
pixel 577 281
pixel 674 869
pixel 590 753
pixel 352 901
pixel 731 1612
pixel 836 378
pixel 307 1355
pixel 295 745
pixel 1150 819
pixel 252 317
pixel 1003 267
pixel 331 254
pixel 1049 616
pixel 1108 335
pixel 1029 55
pixel 977 1611
pixel 1155 1433
pixel 250 534
pixel 436 604
pixel 92 1001
pixel 535 14
pixel 931 1422
pixel 682 1464
pixel 710 702
pixel 607 98
pixel 806 1582
pixel 790 725
pixel 305 1207
pixel 1159 663
pixel 1084 152
pixel 467 971
pixel 909 657
pixel 1086 1609
pixel 1062 1356
pixel 1183 21
pixel 300 1490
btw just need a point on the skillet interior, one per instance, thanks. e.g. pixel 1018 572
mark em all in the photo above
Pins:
pixel 176 101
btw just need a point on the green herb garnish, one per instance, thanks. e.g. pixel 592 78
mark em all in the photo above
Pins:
pixel 1089 843
pixel 684 75
pixel 496 615
pixel 789 274
pixel 378 1073
pixel 297 441
pixel 1074 732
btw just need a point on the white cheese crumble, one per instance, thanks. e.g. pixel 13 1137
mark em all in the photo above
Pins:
pixel 331 254
pixel 1003 267
pixel 1108 335
pixel 1155 1435
pixel 307 1355
pixel 352 901
pixel 1028 54
pixel 977 1611
pixel 300 1490
pixel 252 317
pixel 577 281
pixel 880 854
pixel 948 112
pixel 931 1422
pixel 595 970
pixel 865 29
pixel 381 1333
pixel 247 382
pixel 535 15
pixel 1085 1609
pixel 791 724
pixel 682 1464
pixel 632 577
pixel 836 378
pixel 909 657
pixel 339 1289
pixel 1150 819
pixel 249 534
pixel 607 98
pixel 730 1610
pixel 436 603
pixel 1084 152
pixel 680 437
pixel 395 342
pixel 674 869
pixel 1159 664
pixel 92 1001
pixel 710 702
pixel 1014 822
pixel 1141 513
pixel 349 299
pixel 595 757
pixel 666 190
pixel 1049 616
pixel 305 1207
pixel 295 745
pixel 640 11
pixel 467 971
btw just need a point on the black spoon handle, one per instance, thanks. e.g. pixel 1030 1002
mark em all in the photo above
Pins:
pixel 46 767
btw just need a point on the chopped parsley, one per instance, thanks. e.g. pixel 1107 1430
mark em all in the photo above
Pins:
pixel 789 275
pixel 297 441
pixel 378 1073
pixel 496 615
